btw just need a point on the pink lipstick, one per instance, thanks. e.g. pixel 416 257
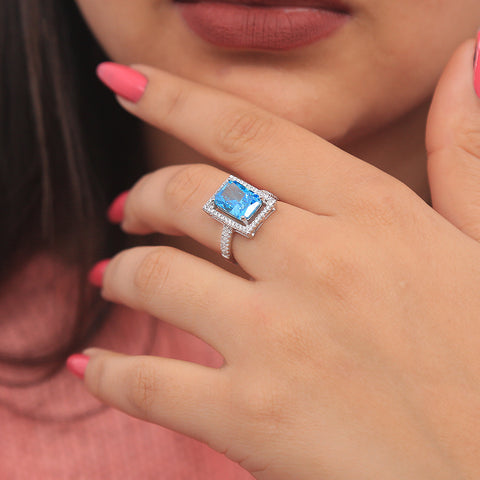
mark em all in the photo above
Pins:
pixel 263 25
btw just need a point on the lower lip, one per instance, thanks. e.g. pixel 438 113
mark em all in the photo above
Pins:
pixel 264 28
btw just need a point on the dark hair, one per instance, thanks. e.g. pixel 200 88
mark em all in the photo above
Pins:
pixel 63 155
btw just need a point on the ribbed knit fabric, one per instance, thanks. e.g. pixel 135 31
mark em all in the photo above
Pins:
pixel 55 430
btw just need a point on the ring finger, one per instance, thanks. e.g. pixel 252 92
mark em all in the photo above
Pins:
pixel 170 201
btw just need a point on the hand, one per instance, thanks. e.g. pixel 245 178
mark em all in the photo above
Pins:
pixel 353 351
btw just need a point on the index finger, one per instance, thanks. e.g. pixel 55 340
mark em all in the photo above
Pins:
pixel 266 150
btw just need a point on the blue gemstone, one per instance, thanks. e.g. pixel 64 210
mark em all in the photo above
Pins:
pixel 238 201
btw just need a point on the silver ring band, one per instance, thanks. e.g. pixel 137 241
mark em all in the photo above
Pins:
pixel 226 243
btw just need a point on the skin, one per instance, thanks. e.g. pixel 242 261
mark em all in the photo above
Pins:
pixel 352 349
pixel 366 89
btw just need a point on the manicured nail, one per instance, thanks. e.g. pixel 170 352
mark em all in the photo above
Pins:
pixel 95 277
pixel 117 208
pixel 77 364
pixel 123 80
pixel 476 66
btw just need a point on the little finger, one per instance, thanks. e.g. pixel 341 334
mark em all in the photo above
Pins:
pixel 182 396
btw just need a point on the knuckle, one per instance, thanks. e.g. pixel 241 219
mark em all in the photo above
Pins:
pixel 152 273
pixel 143 385
pixel 182 188
pixel 175 99
pixel 293 338
pixel 268 400
pixel 264 403
pixel 287 331
pixel 339 271
pixel 377 211
pixel 380 204
pixel 245 128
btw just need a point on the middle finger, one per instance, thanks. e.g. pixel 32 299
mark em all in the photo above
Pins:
pixel 264 149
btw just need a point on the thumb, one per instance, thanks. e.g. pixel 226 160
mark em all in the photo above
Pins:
pixel 453 141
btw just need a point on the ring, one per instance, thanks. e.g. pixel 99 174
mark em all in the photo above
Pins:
pixel 241 208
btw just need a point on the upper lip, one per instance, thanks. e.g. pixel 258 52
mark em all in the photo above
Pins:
pixel 335 5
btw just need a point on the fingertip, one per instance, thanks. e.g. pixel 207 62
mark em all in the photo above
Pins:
pixel 123 80
pixel 77 364
pixel 116 211
pixel 95 276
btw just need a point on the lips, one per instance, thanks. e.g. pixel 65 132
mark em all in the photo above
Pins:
pixel 274 25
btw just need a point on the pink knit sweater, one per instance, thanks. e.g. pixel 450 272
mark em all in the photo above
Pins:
pixel 55 430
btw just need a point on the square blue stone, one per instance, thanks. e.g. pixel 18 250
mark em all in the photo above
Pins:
pixel 237 201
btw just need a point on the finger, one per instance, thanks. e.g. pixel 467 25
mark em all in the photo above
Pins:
pixel 182 396
pixel 181 289
pixel 170 201
pixel 260 147
pixel 453 144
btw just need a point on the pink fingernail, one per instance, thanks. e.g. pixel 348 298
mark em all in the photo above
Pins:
pixel 123 80
pixel 476 66
pixel 95 277
pixel 117 208
pixel 77 364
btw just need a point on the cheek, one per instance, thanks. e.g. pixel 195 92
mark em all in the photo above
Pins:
pixel 424 33
pixel 408 44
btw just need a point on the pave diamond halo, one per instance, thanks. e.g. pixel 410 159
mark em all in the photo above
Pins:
pixel 241 208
